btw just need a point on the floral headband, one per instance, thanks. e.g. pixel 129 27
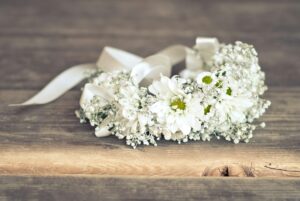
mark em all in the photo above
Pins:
pixel 217 95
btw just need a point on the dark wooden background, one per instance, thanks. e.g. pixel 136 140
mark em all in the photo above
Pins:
pixel 47 155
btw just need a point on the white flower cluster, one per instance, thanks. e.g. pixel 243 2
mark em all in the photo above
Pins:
pixel 221 103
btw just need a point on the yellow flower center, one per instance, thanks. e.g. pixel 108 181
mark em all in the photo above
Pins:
pixel 177 103
pixel 207 79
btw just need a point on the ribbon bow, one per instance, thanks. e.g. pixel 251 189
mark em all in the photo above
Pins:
pixel 143 71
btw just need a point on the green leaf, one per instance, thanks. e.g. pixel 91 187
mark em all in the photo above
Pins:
pixel 207 109
pixel 229 91
pixel 219 84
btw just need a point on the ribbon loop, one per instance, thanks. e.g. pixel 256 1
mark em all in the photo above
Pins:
pixel 91 90
pixel 112 59
pixel 150 69
pixel 197 59
pixel 207 47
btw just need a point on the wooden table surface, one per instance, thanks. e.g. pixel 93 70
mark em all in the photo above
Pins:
pixel 46 154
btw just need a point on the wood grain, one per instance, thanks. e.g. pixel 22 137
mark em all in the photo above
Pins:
pixel 48 140
pixel 127 188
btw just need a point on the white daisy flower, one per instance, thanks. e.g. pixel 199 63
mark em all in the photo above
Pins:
pixel 233 106
pixel 206 79
pixel 175 110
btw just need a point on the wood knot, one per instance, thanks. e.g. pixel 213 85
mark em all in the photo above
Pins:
pixel 229 171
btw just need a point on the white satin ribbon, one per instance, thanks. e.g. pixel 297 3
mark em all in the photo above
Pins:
pixel 110 59
pixel 143 71
pixel 201 54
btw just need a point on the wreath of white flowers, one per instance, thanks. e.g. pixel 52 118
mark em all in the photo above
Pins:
pixel 218 95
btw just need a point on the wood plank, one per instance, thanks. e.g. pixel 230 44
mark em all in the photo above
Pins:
pixel 127 188
pixel 48 140
pixel 56 17
pixel 51 37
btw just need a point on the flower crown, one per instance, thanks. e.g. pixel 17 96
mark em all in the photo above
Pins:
pixel 217 95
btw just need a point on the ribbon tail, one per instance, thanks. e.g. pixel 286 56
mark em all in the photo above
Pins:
pixel 60 85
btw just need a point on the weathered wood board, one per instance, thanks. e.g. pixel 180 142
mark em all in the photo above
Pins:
pixel 127 188
pixel 46 154
pixel 49 140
